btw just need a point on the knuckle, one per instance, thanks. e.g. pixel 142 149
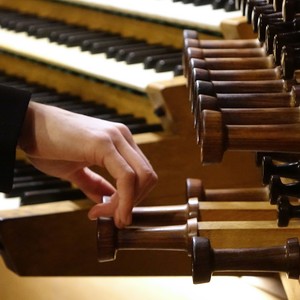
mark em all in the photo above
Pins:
pixel 123 129
pixel 149 177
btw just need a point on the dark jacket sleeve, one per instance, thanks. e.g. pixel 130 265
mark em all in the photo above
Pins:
pixel 13 107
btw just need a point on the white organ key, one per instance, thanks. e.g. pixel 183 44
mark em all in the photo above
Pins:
pixel 9 203
pixel 202 17
pixel 72 58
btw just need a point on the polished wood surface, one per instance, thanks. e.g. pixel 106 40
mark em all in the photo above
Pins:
pixel 65 223
pixel 207 260
pixel 222 234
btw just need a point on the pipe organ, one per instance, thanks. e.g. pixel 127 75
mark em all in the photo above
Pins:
pixel 209 90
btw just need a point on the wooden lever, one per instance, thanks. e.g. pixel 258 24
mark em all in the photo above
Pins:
pixel 217 137
pixel 249 100
pixel 255 116
pixel 283 39
pixel 195 188
pixel 220 44
pixel 203 211
pixel 258 11
pixel 263 21
pixel 174 238
pixel 204 204
pixel 286 211
pixel 212 88
pixel 290 61
pixel 233 75
pixel 241 88
pixel 277 188
pixel 196 74
pixel 222 234
pixel 202 53
pixel 287 170
pixel 226 63
pixel 206 260
pixel 289 9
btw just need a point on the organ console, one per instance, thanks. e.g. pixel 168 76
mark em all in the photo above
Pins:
pixel 243 94
pixel 73 73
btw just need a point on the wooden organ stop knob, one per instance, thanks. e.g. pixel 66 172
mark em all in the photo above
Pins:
pixel 206 260
pixel 286 211
pixel 216 137
pixel 249 100
pixel 174 238
pixel 277 188
pixel 288 170
pixel 195 188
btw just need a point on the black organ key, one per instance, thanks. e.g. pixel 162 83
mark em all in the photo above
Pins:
pixel 26 170
pixel 28 178
pixel 118 50
pixel 55 98
pixel 87 44
pixel 201 2
pixel 78 38
pixel 138 56
pixel 102 46
pixel 141 128
pixel 24 25
pixel 7 20
pixel 230 5
pixel 21 187
pixel 151 61
pixel 51 195
pixel 122 51
pixel 178 70
pixel 63 37
pixel 167 64
pixel 53 30
pixel 54 35
pixel 43 30
pixel 217 4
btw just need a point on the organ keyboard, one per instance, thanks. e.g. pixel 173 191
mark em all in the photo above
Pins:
pixel 202 17
pixel 64 223
pixel 56 220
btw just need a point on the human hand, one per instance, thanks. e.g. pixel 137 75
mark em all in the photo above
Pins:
pixel 65 145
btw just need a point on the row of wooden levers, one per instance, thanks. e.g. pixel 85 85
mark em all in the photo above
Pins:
pixel 244 96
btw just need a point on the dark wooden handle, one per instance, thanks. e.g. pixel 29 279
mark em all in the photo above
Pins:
pixel 286 211
pixel 166 215
pixel 216 137
pixel 206 260
pixel 278 188
pixel 289 9
pixel 172 238
pixel 287 170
